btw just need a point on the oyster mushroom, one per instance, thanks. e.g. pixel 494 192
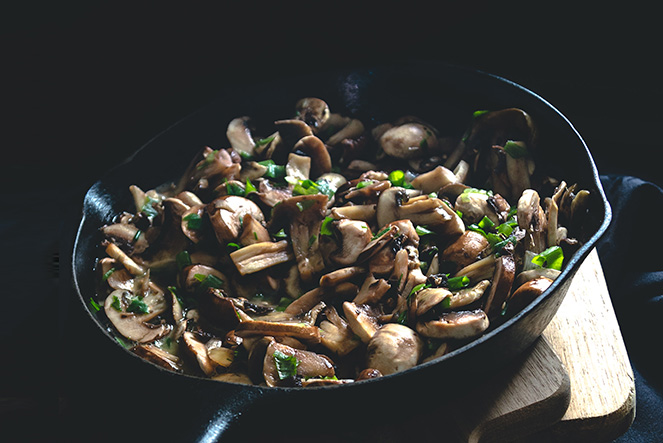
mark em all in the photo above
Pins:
pixel 361 319
pixel 371 291
pixel 199 351
pixel 304 215
pixel 135 326
pixel 226 214
pixel 313 111
pixel 408 140
pixel 393 348
pixel 158 356
pixel 456 325
pixel 302 331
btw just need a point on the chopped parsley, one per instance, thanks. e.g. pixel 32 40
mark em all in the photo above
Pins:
pixel 193 221
pixel 138 306
pixel 286 365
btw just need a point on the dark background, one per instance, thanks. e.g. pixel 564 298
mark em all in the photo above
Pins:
pixel 84 84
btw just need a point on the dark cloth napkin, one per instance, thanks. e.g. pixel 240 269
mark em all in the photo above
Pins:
pixel 631 253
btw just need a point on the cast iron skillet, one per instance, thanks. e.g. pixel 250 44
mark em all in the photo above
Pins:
pixel 136 395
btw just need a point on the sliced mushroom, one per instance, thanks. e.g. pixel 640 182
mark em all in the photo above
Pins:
pixel 425 299
pixel 226 214
pixel 305 364
pixel 505 271
pixel 258 256
pixel 526 293
pixel 354 236
pixel 304 215
pixel 218 354
pixel 253 231
pixel 222 311
pixel 394 348
pixel 302 331
pixel 127 235
pixel 456 325
pixel 434 180
pixel 465 250
pixel 312 146
pixel 361 320
pixel 353 129
pixel 116 276
pixel 476 205
pixel 193 275
pixel 336 334
pixel 240 137
pixel 306 302
pixel 158 356
pixel 199 351
pixel 371 291
pixel 341 275
pixel 480 269
pixel 131 325
pixel 298 166
pixel 366 213
pixel 532 274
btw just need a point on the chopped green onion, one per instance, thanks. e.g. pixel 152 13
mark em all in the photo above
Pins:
pixel 286 365
pixel 148 207
pixel 193 221
pixel 363 184
pixel 418 288
pixel 211 281
pixel 273 171
pixel 264 141
pixel 116 304
pixel 231 247
pixel 381 233
pixel 284 302
pixel 122 342
pixel 325 228
pixel 280 234
pixel 108 274
pixel 312 240
pixel 457 283
pixel 479 113
pixel 304 205
pixel 95 305
pixel 249 187
pixel 422 230
pixel 397 177
pixel 235 189
pixel 515 149
pixel 486 224
pixel 138 233
pixel 552 258
pixel 183 259
pixel 402 318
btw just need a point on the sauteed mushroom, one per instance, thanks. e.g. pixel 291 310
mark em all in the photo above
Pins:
pixel 294 258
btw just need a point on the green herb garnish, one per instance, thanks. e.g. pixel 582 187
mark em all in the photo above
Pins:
pixel 397 177
pixel 286 365
pixel 148 207
pixel 515 149
pixel 95 305
pixel 422 230
pixel 325 228
pixel 107 274
pixel 249 188
pixel 183 259
pixel 552 258
pixel 138 307
pixel 457 283
pixel 193 221
pixel 116 304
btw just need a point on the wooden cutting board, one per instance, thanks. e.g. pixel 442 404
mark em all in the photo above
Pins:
pixel 575 385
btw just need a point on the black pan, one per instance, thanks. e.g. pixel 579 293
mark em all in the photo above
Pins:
pixel 128 394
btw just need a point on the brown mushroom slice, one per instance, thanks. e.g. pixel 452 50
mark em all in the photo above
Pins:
pixel 467 296
pixel 361 319
pixel 409 140
pixel 353 129
pixel 457 325
pixel 439 352
pixel 240 137
pixel 218 354
pixel 526 293
pixel 158 356
pixel 434 180
pixel 116 277
pixel 306 302
pixel 425 299
pixel 371 291
pixel 475 206
pixel 258 256
pixel 316 382
pixel 253 231
pixel 222 311
pixel 131 325
pixel 191 222
pixel 290 131
pixel 193 275
pixel 283 363
pixel 394 348
pixel 298 166
pixel 466 249
pixel 336 334
pixel 304 214
pixel 127 262
pixel 128 235
pixel 303 331
pixel 320 160
pixel 505 272
pixel 199 351
pixel 532 274
pixel 313 111
pixel 354 235
pixel 480 269
pixel 233 377
pixel 226 214
pixel 341 275
pixel 365 213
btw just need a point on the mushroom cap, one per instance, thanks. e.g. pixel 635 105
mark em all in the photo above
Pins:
pixel 394 348
pixel 313 111
pixel 455 325
pixel 239 135
pixel 355 236
pixel 407 141
pixel 134 326
pixel 312 146
pixel 465 249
